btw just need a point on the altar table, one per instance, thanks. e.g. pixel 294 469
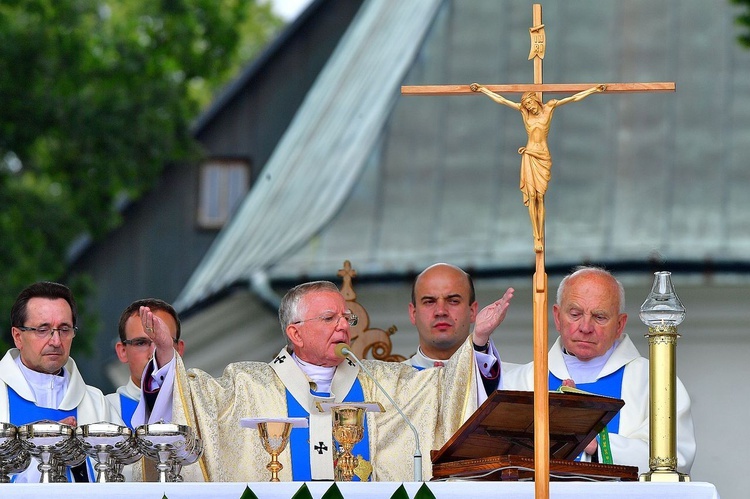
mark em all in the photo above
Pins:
pixel 356 490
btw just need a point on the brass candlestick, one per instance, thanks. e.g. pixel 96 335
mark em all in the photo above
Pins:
pixel 348 429
pixel 662 312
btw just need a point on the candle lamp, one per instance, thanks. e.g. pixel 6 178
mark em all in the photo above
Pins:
pixel 662 312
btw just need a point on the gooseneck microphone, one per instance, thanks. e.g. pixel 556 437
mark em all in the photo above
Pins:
pixel 343 351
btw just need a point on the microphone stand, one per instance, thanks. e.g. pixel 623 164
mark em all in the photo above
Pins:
pixel 342 350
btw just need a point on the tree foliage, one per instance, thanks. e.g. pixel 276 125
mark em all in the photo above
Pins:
pixel 743 20
pixel 96 97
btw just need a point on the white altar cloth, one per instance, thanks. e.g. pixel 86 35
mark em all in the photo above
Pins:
pixel 356 490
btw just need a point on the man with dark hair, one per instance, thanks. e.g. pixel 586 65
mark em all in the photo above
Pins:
pixel 38 379
pixel 135 349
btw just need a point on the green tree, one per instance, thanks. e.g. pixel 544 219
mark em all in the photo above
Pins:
pixel 96 97
pixel 743 20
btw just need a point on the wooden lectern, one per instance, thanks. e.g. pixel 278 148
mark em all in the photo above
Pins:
pixel 497 441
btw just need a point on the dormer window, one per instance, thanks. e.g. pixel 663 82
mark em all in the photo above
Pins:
pixel 223 185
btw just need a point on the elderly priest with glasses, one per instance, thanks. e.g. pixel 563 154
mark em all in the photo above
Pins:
pixel 38 379
pixel 310 369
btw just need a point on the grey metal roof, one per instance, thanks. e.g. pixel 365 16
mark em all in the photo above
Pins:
pixel 396 183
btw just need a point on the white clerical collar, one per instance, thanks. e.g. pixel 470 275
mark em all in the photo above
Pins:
pixel 586 371
pixel 421 360
pixel 320 375
pixel 48 389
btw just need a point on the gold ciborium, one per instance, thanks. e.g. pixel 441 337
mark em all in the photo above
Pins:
pixel 348 430
pixel 274 435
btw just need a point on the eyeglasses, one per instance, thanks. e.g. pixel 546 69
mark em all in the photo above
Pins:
pixel 331 319
pixel 45 332
pixel 141 342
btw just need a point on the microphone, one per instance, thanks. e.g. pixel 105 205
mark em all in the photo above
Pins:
pixel 342 350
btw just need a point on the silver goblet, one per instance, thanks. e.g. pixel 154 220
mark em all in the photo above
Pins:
pixel 54 445
pixel 111 446
pixel 171 446
pixel 13 457
pixel 188 455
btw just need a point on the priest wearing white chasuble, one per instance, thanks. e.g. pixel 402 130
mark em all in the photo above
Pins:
pixel 315 319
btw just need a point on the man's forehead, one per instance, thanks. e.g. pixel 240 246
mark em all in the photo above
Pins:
pixel 597 308
pixel 41 308
pixel 323 300
pixel 442 288
pixel 596 303
pixel 591 290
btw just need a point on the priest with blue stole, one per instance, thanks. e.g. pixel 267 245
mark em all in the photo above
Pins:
pixel 136 349
pixel 595 355
pixel 38 379
pixel 315 320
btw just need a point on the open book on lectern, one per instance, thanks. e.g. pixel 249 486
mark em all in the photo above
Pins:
pixel 504 425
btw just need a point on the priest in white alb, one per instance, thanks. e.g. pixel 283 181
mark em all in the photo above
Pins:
pixel 593 353
pixel 39 381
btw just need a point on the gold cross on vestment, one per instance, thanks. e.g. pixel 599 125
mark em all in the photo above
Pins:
pixel 536 163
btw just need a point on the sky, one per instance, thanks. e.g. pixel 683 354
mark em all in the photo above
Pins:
pixel 289 9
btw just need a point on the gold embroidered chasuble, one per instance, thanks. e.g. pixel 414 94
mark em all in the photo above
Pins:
pixel 437 401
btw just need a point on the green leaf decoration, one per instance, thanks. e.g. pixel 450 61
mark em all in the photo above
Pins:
pixel 424 492
pixel 248 494
pixel 400 493
pixel 333 492
pixel 302 493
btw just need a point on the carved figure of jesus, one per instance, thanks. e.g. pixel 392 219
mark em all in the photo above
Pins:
pixel 536 161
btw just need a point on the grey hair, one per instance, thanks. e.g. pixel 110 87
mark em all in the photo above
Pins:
pixel 289 308
pixel 591 269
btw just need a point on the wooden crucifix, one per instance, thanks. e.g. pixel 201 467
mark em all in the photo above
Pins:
pixel 535 173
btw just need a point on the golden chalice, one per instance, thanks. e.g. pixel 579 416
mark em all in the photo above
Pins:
pixel 348 429
pixel 274 435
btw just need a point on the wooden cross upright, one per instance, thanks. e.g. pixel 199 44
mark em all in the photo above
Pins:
pixel 347 273
pixel 538 126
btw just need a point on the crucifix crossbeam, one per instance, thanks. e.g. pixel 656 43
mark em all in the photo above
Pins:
pixel 658 86
pixel 536 164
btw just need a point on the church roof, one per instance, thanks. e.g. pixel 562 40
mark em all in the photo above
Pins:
pixel 395 183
